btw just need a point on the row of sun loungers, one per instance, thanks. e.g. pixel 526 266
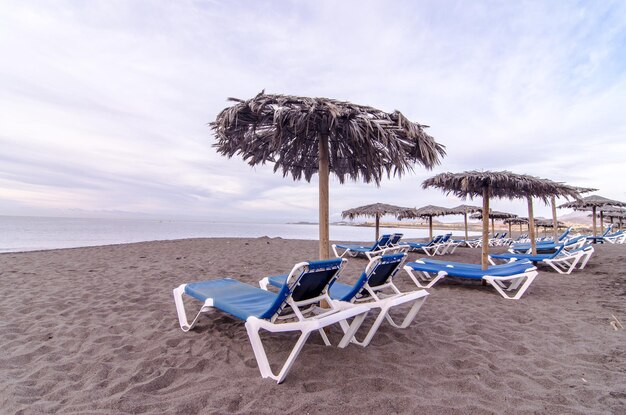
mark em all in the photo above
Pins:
pixel 439 245
pixel 309 298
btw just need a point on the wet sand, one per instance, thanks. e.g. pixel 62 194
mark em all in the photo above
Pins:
pixel 94 331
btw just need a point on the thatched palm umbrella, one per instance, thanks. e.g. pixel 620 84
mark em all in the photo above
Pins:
pixel 580 190
pixel 516 221
pixel 493 215
pixel 613 212
pixel 303 136
pixel 592 203
pixel 376 210
pixel 499 184
pixel 619 215
pixel 548 223
pixel 425 212
pixel 464 210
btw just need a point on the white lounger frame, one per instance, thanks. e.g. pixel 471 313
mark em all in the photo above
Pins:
pixel 371 254
pixel 517 283
pixel 616 239
pixel 308 320
pixel 383 302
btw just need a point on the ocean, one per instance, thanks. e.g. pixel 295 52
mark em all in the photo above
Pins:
pixel 22 233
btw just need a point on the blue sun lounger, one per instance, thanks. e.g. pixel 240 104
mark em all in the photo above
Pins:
pixel 562 260
pixel 600 239
pixel 294 308
pixel 549 247
pixel 429 248
pixel 379 247
pixel 618 237
pixel 369 290
pixel 514 278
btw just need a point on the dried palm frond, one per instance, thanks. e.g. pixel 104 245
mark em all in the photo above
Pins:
pixel 502 184
pixel 376 209
pixel 364 142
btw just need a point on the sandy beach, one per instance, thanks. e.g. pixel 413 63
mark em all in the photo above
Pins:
pixel 94 331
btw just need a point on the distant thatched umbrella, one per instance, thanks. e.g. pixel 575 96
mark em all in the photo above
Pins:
pixel 613 212
pixel 303 136
pixel 592 203
pixel 580 190
pixel 516 221
pixel 425 212
pixel 464 210
pixel 616 213
pixel 548 223
pixel 493 215
pixel 376 210
pixel 499 184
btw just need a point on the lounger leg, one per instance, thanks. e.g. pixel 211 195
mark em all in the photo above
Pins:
pixel 408 319
pixel 586 259
pixel 370 334
pixel 324 337
pixel 253 328
pixel 431 282
pixel 337 253
pixel 350 330
pixel 527 277
pixel 180 309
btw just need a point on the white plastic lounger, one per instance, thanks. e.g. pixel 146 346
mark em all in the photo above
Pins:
pixel 378 248
pixel 293 308
pixel 615 238
pixel 562 261
pixel 369 290
pixel 507 278
pixel 430 248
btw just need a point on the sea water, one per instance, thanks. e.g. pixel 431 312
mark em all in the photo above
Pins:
pixel 22 233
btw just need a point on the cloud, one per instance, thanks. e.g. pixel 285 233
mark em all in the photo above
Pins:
pixel 105 105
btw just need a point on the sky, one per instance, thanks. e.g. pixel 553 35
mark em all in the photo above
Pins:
pixel 104 106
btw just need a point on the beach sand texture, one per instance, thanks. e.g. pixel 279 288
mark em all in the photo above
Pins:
pixel 94 331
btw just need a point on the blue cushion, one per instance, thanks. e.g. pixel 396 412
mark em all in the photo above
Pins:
pixel 236 298
pixel 474 266
pixel 472 273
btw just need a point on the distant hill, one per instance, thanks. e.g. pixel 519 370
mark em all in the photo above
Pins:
pixel 581 218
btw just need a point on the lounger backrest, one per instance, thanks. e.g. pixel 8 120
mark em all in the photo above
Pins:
pixel 564 234
pixel 381 243
pixel 395 239
pixel 378 272
pixel 435 240
pixel 305 281
pixel 445 238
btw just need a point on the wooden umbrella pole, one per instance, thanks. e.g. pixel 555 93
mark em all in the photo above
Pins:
pixel 554 221
pixel 430 227
pixel 520 228
pixel 485 245
pixel 493 228
pixel 323 197
pixel 593 213
pixel 531 226
pixel 377 225
pixel 465 220
pixel 510 231
pixel 601 221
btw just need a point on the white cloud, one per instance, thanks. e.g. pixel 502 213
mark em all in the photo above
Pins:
pixel 105 105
